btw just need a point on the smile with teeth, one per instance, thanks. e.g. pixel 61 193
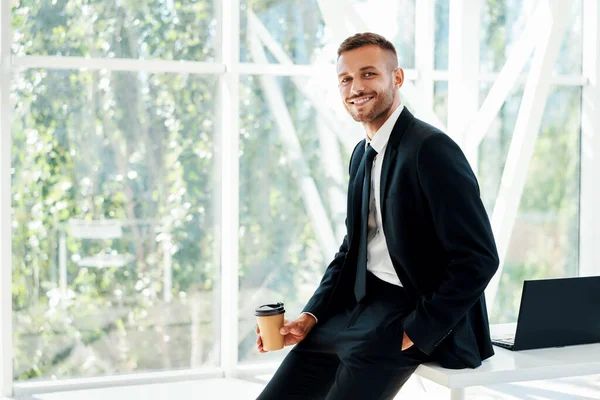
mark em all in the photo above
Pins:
pixel 361 100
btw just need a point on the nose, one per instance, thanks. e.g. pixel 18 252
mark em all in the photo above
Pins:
pixel 357 87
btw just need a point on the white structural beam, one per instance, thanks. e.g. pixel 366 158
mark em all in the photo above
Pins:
pixel 333 15
pixel 255 27
pixel 229 117
pixel 283 69
pixel 491 77
pixel 335 175
pixel 6 352
pixel 463 66
pixel 589 222
pixel 310 194
pixel 31 388
pixel 424 50
pixel 328 126
pixel 556 80
pixel 505 81
pixel 410 95
pixel 117 64
pixel 526 131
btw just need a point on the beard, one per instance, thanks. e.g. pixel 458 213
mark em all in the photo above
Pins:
pixel 378 105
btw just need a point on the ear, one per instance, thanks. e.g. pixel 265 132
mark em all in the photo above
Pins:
pixel 398 78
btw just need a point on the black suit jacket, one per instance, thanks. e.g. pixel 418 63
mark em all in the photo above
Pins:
pixel 440 242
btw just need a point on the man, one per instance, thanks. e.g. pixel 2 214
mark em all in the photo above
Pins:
pixel 407 284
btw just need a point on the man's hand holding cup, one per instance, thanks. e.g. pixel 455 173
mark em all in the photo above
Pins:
pixel 287 334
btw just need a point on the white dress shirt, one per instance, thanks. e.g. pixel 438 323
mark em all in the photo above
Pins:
pixel 378 256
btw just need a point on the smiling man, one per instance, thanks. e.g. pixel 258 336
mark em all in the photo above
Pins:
pixel 407 285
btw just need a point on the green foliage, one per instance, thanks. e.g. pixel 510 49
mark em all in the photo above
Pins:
pixel 138 148
pixel 143 149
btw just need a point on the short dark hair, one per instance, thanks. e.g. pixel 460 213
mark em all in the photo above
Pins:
pixel 366 39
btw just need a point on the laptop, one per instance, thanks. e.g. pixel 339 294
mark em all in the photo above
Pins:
pixel 556 313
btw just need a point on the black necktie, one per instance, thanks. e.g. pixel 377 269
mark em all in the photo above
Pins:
pixel 360 284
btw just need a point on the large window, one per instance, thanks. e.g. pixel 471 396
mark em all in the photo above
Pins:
pixel 121 165
pixel 545 238
pixel 113 228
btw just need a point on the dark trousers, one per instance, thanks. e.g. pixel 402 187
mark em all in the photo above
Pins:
pixel 355 354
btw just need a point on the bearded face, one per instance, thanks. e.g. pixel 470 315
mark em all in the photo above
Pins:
pixel 367 106
pixel 366 82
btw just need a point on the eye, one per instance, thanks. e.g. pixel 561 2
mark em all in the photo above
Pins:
pixel 345 80
pixel 369 74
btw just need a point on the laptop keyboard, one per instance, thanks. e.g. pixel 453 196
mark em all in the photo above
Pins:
pixel 507 342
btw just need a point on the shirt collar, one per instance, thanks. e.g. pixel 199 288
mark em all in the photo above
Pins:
pixel 381 137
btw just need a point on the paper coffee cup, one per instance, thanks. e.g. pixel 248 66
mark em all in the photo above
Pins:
pixel 270 320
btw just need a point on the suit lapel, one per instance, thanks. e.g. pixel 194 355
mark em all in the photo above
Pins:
pixel 354 206
pixel 391 152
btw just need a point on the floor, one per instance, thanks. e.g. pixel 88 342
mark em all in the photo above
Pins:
pixel 581 388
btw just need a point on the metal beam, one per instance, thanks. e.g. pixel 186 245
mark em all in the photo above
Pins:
pixel 335 175
pixel 310 194
pixel 589 213
pixel 229 122
pixel 555 80
pixel 505 81
pixel 117 64
pixel 424 50
pixel 312 91
pixel 6 350
pixel 527 128
pixel 463 66
pixel 328 125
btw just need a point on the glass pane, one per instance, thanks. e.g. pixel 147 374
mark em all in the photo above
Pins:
pixel 148 29
pixel 301 31
pixel 493 149
pixel 297 27
pixel 281 255
pixel 442 31
pixel 502 23
pixel 114 252
pixel 440 100
pixel 570 57
pixel 544 242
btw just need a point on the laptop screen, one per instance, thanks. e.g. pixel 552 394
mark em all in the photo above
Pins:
pixel 559 312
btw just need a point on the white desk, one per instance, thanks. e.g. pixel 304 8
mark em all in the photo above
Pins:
pixel 517 366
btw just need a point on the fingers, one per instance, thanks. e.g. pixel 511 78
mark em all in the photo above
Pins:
pixel 259 344
pixel 294 327
pixel 259 340
pixel 287 327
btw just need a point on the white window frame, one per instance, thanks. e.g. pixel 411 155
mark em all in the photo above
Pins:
pixel 6 351
pixel 229 70
pixel 589 212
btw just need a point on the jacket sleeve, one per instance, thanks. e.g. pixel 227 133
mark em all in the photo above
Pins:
pixel 318 303
pixel 463 228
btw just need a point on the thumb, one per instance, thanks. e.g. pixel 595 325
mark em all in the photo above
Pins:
pixel 287 327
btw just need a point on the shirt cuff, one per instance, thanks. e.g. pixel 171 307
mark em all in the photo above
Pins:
pixel 312 315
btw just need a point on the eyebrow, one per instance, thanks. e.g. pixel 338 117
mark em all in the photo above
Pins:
pixel 361 69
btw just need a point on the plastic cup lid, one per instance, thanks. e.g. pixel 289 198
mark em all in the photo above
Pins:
pixel 267 310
